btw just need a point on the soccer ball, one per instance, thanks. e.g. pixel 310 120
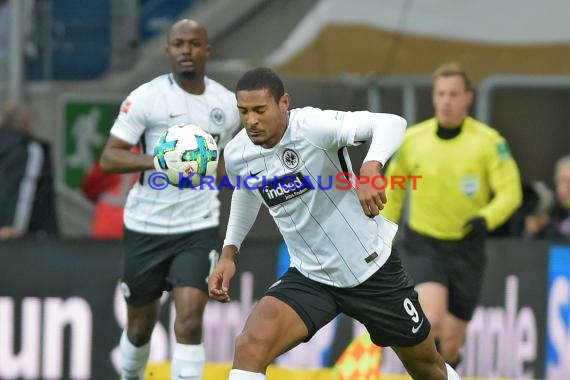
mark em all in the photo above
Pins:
pixel 186 150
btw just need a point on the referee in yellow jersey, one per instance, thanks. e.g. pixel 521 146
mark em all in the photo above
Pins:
pixel 469 185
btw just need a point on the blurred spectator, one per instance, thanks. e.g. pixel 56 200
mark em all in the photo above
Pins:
pixel 27 201
pixel 537 201
pixel 109 193
pixel 555 222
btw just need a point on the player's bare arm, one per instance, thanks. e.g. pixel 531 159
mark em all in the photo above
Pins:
pixel 9 232
pixel 117 157
pixel 221 169
pixel 372 199
pixel 219 279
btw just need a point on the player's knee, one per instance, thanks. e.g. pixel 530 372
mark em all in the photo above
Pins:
pixel 188 327
pixel 139 335
pixel 252 349
pixel 449 349
pixel 139 327
pixel 436 322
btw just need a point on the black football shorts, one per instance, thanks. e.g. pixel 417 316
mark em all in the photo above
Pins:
pixel 386 304
pixel 154 263
pixel 459 265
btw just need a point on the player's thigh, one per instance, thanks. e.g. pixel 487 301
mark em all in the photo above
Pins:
pixel 313 302
pixel 273 327
pixel 433 298
pixel 146 262
pixel 453 329
pixel 387 305
pixel 195 257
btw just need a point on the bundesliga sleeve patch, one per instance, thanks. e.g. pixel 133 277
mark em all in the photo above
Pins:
pixel 503 150
pixel 126 106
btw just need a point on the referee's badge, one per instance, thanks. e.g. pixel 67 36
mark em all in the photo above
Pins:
pixel 469 184
pixel 290 159
pixel 218 116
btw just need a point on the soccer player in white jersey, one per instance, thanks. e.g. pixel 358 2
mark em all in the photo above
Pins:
pixel 342 259
pixel 170 235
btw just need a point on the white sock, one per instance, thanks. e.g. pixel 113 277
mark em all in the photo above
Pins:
pixel 188 361
pixel 238 374
pixel 451 374
pixel 133 359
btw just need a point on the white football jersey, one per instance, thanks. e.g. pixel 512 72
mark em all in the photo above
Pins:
pixel 147 112
pixel 330 239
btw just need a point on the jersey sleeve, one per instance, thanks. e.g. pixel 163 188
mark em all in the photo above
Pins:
pixel 384 130
pixel 325 129
pixel 331 129
pixel 131 122
pixel 243 211
pixel 505 183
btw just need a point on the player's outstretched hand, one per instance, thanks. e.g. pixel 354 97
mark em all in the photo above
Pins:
pixel 370 193
pixel 219 279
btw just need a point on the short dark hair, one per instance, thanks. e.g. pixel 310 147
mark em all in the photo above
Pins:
pixel 450 69
pixel 261 78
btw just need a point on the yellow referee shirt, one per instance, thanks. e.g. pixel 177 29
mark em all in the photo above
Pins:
pixel 472 174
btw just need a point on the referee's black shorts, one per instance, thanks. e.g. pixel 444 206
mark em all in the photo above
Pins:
pixel 459 265
pixel 386 304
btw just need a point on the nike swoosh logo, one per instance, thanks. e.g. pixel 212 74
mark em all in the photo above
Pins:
pixel 255 174
pixel 415 329
pixel 274 284
pixel 173 115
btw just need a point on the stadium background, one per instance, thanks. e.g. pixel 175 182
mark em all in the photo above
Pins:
pixel 80 58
